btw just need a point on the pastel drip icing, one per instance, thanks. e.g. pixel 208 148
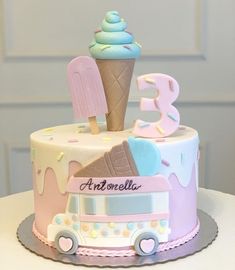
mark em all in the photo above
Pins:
pixel 113 41
pixel 59 152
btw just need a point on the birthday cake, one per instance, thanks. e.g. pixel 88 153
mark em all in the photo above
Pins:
pixel 100 190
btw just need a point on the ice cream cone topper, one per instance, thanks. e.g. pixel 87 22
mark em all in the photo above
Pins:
pixel 115 52
pixel 86 90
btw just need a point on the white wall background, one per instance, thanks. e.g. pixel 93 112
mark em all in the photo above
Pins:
pixel 192 40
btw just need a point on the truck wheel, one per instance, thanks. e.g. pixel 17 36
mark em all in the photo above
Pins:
pixel 146 244
pixel 66 242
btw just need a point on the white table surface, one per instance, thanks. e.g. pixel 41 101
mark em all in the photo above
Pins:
pixel 219 255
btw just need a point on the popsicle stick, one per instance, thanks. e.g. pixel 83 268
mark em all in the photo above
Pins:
pixel 93 125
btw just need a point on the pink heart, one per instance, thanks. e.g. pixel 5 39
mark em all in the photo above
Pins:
pixel 147 245
pixel 65 243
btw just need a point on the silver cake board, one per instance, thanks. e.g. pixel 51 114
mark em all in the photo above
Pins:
pixel 206 235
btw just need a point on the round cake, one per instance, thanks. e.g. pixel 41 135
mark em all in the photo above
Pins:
pixel 105 191
pixel 114 194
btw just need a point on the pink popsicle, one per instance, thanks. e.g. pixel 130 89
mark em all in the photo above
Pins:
pixel 86 90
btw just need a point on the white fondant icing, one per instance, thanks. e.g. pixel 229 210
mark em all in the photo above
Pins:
pixel 56 147
pixel 181 157
pixel 78 144
pixel 162 199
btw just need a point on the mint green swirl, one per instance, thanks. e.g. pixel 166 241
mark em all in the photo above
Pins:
pixel 112 41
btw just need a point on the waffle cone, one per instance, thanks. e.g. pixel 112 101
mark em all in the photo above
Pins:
pixel 117 162
pixel 116 77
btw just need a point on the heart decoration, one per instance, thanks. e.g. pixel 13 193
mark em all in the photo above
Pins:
pixel 65 243
pixel 147 245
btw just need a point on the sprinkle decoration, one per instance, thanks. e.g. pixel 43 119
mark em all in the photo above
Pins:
pixel 149 80
pixel 47 134
pixel 111 225
pixel 76 226
pixel 163 222
pixel 104 233
pixel 92 45
pixel 165 162
pixel 154 223
pixel 130 226
pixel 127 47
pixel 171 85
pixel 160 140
pixel 105 47
pixel 85 227
pixel 138 44
pixel 126 233
pixel 67 221
pixel 161 230
pixel 128 32
pixel 117 231
pixel 143 125
pixel 98 31
pixel 58 220
pixel 96 226
pixel 140 225
pixel 81 126
pixel 160 130
pixel 182 128
pixel 172 117
pixel 72 141
pixel 94 233
pixel 48 129
pixel 60 156
pixel 107 138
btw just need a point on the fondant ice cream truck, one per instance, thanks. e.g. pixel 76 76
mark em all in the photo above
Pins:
pixel 104 214
pixel 126 206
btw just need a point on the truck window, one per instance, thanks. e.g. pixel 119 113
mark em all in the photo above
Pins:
pixel 128 205
pixel 73 205
pixel 89 206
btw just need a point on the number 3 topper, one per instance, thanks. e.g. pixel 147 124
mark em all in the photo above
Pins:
pixel 167 92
